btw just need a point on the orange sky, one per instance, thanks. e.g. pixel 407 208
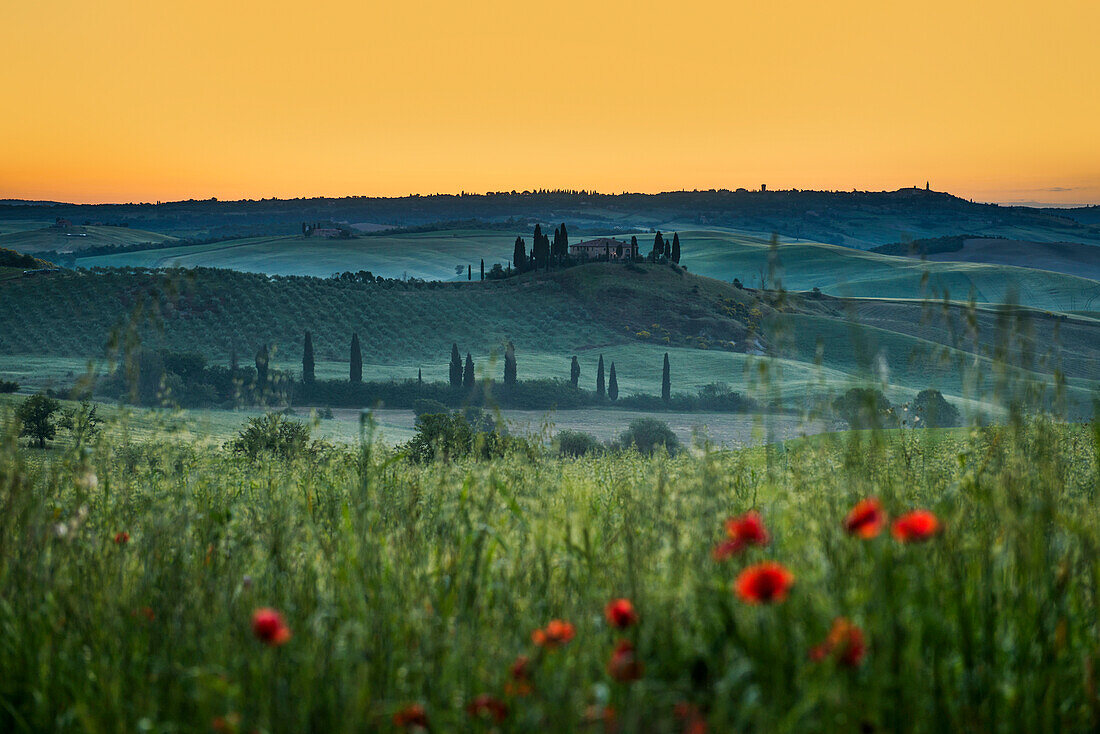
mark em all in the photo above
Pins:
pixel 134 100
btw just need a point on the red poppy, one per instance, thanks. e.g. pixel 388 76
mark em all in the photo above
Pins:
pixel 915 526
pixel 866 519
pixel 555 634
pixel 486 706
pixel 520 674
pixel 122 538
pixel 845 642
pixel 741 531
pixel 620 613
pixel 693 720
pixel 764 583
pixel 624 664
pixel 269 627
pixel 411 716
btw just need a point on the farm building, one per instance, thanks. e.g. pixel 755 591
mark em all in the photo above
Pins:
pixel 602 247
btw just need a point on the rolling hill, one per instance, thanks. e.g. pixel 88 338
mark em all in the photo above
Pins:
pixel 1071 258
pixel 713 331
pixel 76 238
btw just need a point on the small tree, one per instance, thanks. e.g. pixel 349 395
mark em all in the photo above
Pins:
pixel 676 247
pixel 666 381
pixel 575 372
pixel 468 373
pixel 356 375
pixel 658 246
pixel 307 360
pixel 600 391
pixel 612 384
pixel 456 367
pixel 510 364
pixel 483 268
pixel 519 254
pixel 36 417
pixel 83 422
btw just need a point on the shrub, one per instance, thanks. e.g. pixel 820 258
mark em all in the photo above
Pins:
pixel 576 443
pixel 7 386
pixel 864 407
pixel 648 434
pixel 427 406
pixel 273 435
pixel 934 411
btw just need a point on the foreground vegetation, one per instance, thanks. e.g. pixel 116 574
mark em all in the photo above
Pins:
pixel 403 593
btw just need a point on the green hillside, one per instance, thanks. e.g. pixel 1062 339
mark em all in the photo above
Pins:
pixel 75 238
pixel 431 255
pixel 843 271
pixel 632 316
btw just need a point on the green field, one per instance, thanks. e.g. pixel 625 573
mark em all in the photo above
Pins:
pixel 431 256
pixel 76 238
pixel 132 565
pixel 814 346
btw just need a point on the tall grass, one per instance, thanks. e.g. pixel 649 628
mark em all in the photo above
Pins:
pixel 421 584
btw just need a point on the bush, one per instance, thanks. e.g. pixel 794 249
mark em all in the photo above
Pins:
pixel 934 411
pixel 273 435
pixel 427 406
pixel 864 407
pixel 648 434
pixel 7 386
pixel 576 443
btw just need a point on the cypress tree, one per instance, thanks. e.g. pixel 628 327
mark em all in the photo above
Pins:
pixel 419 377
pixel 469 272
pixel 307 360
pixel 356 360
pixel 468 373
pixel 519 254
pixel 575 372
pixel 612 384
pixel 261 366
pixel 456 367
pixel 666 382
pixel 599 379
pixel 667 249
pixel 676 247
pixel 483 268
pixel 564 240
pixel 633 247
pixel 658 246
pixel 510 365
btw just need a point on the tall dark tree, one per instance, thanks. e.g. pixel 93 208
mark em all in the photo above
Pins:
pixel 668 249
pixel 307 360
pixel 555 248
pixel 666 381
pixel 468 372
pixel 456 367
pixel 419 377
pixel 519 254
pixel 564 241
pixel 469 272
pixel 658 246
pixel 356 375
pixel 633 247
pixel 263 357
pixel 612 384
pixel 540 248
pixel 575 372
pixel 483 268
pixel 676 247
pixel 600 391
pixel 510 365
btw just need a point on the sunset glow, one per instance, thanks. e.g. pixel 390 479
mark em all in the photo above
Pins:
pixel 126 101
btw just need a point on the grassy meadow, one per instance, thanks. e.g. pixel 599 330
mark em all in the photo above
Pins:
pixel 75 238
pixel 131 568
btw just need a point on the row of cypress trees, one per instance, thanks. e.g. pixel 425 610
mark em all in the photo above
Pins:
pixel 462 375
